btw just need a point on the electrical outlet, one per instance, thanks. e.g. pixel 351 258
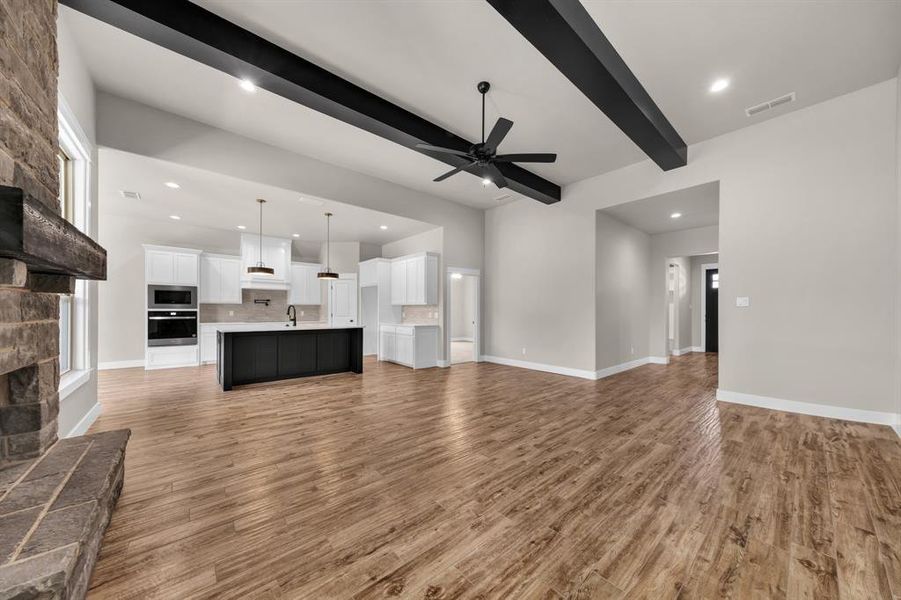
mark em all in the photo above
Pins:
pixel 231 313
pixel 742 301
pixel 301 313
pixel 632 350
pixel 523 351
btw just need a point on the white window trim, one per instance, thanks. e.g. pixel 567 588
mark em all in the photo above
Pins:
pixel 75 144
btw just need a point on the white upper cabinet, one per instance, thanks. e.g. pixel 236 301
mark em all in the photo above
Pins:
pixel 171 266
pixel 398 281
pixel 276 254
pixel 414 279
pixel 305 286
pixel 220 279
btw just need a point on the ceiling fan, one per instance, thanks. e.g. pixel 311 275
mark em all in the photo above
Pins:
pixel 483 155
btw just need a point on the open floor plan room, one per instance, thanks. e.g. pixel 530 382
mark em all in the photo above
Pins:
pixel 483 299
pixel 492 482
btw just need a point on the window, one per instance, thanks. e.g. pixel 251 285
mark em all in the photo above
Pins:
pixel 715 281
pixel 67 209
pixel 74 165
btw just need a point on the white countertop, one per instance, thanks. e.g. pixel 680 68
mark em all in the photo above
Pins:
pixel 410 324
pixel 278 326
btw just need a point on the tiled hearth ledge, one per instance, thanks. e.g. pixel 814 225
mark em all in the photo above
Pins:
pixel 54 511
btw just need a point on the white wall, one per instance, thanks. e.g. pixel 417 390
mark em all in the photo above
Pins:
pixel 77 91
pixel 682 337
pixel 818 184
pixel 667 248
pixel 539 285
pixel 697 287
pixel 622 290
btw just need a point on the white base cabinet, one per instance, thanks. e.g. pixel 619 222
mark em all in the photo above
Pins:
pixel 208 343
pixel 413 346
pixel 166 357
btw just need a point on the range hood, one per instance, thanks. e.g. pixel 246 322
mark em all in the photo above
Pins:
pixel 276 253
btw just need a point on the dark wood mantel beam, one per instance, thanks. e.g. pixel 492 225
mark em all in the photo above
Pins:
pixel 201 35
pixel 564 32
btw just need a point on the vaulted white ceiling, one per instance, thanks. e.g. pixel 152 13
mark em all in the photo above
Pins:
pixel 428 56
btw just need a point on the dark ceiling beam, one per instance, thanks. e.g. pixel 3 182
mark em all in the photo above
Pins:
pixel 564 32
pixel 201 35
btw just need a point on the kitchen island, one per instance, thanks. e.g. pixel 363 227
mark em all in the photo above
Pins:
pixel 255 353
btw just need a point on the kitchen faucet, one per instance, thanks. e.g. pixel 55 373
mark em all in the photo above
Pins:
pixel 292 315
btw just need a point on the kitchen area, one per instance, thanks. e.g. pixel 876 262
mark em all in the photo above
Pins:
pixel 300 319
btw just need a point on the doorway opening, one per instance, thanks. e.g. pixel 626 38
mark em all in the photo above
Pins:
pixel 710 283
pixel 463 323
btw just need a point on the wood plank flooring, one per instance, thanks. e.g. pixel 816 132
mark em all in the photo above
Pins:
pixel 485 481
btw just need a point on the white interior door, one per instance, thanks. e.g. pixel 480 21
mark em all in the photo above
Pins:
pixel 342 298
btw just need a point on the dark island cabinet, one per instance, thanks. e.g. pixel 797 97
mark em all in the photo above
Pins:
pixel 258 356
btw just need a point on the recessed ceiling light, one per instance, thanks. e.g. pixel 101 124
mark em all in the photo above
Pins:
pixel 383 227
pixel 242 226
pixel 297 235
pixel 248 86
pixel 719 85
pixel 173 185
pixel 310 201
pixel 175 217
pixel 486 182
pixel 675 215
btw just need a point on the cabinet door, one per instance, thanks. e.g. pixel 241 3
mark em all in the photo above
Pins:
pixel 186 269
pixel 386 345
pixel 230 281
pixel 399 282
pixel 208 346
pixel 160 266
pixel 313 288
pixel 297 293
pixel 209 280
pixel 415 280
pixel 277 254
pixel 403 350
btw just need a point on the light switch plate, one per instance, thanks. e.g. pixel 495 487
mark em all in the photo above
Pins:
pixel 742 301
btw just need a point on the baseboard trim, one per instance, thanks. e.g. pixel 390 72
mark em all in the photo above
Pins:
pixel 809 408
pixel 686 350
pixel 86 421
pixel 626 366
pixel 443 363
pixel 461 339
pixel 523 364
pixel 120 364
pixel 658 360
pixel 697 348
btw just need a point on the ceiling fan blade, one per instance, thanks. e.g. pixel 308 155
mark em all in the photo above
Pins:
pixel 431 148
pixel 498 133
pixel 532 158
pixel 453 172
pixel 494 174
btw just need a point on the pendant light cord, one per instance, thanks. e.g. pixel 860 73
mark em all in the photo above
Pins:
pixel 328 243
pixel 261 235
pixel 483 117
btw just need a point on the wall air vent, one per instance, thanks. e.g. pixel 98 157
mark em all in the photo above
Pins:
pixel 502 197
pixel 763 106
pixel 130 195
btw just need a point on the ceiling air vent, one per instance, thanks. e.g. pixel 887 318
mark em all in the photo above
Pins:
pixel 130 195
pixel 759 108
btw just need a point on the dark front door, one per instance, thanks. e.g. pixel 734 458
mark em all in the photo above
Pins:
pixel 711 321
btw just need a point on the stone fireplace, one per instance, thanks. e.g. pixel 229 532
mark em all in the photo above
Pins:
pixel 56 496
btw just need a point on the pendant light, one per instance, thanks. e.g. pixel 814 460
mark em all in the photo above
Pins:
pixel 260 267
pixel 327 274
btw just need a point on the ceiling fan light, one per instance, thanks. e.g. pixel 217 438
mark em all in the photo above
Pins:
pixel 486 181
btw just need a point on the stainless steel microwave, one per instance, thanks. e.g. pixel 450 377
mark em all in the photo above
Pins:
pixel 172 296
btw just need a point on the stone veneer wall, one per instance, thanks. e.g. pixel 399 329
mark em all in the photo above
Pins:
pixel 248 312
pixel 29 331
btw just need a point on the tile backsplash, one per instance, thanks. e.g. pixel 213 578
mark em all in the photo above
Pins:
pixel 420 314
pixel 250 312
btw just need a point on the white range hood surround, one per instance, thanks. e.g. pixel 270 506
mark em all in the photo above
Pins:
pixel 276 254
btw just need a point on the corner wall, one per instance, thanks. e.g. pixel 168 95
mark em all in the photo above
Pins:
pixel 818 184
